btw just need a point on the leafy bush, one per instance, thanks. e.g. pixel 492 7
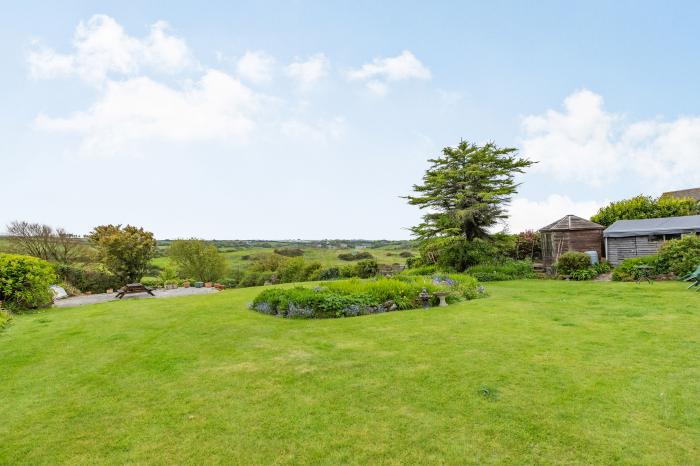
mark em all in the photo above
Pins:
pixel 602 267
pixel 253 278
pixel 331 273
pixel 640 207
pixel 348 271
pixel 680 256
pixel 93 278
pixel 457 253
pixel 507 270
pixel 229 282
pixel 297 270
pixel 422 270
pixel 626 271
pixel 406 254
pixel 197 259
pixel 355 256
pixel 290 252
pixel 151 282
pixel 355 297
pixel 25 281
pixel 528 245
pixel 584 274
pixel 367 268
pixel 168 276
pixel 266 262
pixel 572 261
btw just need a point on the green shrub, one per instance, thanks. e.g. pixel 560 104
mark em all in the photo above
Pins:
pixel 626 271
pixel 584 274
pixel 25 281
pixel 423 270
pixel 355 256
pixel 367 268
pixel 93 278
pixel 456 253
pixel 680 256
pixel 331 273
pixel 507 270
pixel 290 252
pixel 572 261
pixel 252 278
pixel 348 271
pixel 151 282
pixel 229 282
pixel 168 276
pixel 198 259
pixel 354 297
pixel 602 267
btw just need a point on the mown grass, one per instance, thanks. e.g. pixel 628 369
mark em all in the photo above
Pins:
pixel 540 372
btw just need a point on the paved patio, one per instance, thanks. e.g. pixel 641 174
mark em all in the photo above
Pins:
pixel 104 297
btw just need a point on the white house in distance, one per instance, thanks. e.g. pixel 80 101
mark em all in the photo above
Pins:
pixel 625 239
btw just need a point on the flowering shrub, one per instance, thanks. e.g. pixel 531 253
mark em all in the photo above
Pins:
pixel 351 298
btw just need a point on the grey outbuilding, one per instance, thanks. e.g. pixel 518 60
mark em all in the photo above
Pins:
pixel 625 239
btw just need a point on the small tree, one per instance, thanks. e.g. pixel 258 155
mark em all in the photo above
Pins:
pixel 467 190
pixel 196 259
pixel 125 251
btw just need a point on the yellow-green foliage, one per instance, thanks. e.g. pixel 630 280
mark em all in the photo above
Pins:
pixel 24 282
pixel 641 207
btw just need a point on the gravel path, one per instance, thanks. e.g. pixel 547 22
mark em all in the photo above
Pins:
pixel 104 297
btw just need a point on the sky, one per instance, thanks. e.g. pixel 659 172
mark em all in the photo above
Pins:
pixel 310 120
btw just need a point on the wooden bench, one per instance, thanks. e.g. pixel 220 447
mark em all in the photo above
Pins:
pixel 133 288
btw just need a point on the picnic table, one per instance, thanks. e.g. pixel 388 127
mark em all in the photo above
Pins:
pixel 133 288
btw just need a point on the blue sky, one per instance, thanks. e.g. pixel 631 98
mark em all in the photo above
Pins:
pixel 310 119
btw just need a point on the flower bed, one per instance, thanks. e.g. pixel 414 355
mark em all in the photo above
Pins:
pixel 355 297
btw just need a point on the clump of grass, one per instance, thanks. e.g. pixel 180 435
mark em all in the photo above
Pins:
pixel 488 393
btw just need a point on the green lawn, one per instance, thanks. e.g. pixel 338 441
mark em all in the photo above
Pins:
pixel 540 372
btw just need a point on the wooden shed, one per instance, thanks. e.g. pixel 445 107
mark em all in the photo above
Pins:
pixel 570 233
pixel 625 239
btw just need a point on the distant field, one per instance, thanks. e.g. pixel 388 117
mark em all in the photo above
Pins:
pixel 4 244
pixel 540 372
pixel 326 256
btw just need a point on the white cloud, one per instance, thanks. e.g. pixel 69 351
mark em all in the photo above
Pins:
pixel 533 215
pixel 321 131
pixel 101 47
pixel 256 67
pixel 588 144
pixel 308 73
pixel 140 110
pixel 377 87
pixel 377 74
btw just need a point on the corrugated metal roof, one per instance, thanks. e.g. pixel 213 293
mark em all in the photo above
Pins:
pixel 572 222
pixel 653 226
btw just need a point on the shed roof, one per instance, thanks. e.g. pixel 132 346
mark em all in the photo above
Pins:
pixel 653 226
pixel 572 222
pixel 694 193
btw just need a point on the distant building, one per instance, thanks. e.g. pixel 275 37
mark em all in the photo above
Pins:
pixel 625 239
pixel 683 193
